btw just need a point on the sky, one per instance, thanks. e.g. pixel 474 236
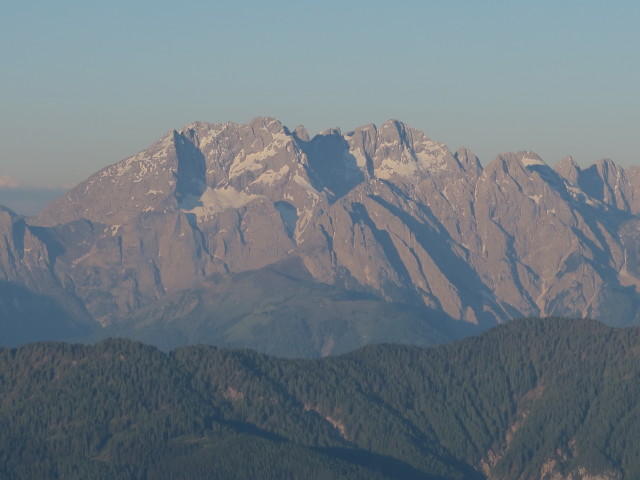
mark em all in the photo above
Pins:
pixel 85 84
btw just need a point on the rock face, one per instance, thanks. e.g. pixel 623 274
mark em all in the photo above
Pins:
pixel 386 211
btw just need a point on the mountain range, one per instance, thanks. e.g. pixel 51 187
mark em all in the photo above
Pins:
pixel 257 235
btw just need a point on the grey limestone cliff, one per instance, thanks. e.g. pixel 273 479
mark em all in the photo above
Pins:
pixel 382 210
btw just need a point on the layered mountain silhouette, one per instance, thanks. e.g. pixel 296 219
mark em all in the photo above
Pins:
pixel 377 216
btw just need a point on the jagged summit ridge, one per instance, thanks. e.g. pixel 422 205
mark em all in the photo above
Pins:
pixel 201 166
pixel 383 210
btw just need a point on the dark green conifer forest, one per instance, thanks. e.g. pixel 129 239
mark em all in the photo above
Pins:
pixel 501 405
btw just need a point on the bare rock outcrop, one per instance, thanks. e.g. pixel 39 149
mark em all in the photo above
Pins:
pixel 384 210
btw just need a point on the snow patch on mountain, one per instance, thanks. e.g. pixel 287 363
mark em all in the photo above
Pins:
pixel 254 161
pixel 270 177
pixel 304 183
pixel 304 218
pixel 410 164
pixel 535 198
pixel 208 132
pixel 531 160
pixel 214 201
pixel 390 167
pixel 361 159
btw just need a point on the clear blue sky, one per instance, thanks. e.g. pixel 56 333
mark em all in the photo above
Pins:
pixel 86 83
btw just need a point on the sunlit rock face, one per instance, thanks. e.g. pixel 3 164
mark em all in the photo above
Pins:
pixel 384 210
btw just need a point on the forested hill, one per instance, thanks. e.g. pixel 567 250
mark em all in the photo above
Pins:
pixel 533 399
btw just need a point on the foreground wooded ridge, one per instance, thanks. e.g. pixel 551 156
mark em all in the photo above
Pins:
pixel 527 400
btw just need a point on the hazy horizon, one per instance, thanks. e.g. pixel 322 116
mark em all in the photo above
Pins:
pixel 87 85
pixel 28 200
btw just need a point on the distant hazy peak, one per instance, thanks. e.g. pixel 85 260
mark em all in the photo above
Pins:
pixel 518 161
pixel 301 133
pixel 369 127
pixel 467 160
pixel 394 131
pixel 608 167
pixel 270 123
pixel 568 169
pixel 330 131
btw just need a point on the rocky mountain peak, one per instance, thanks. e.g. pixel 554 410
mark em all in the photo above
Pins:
pixel 335 131
pixel 383 210
pixel 468 161
pixel 403 154
pixel 568 169
pixel 606 182
pixel 301 133
pixel 393 132
pixel 525 167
